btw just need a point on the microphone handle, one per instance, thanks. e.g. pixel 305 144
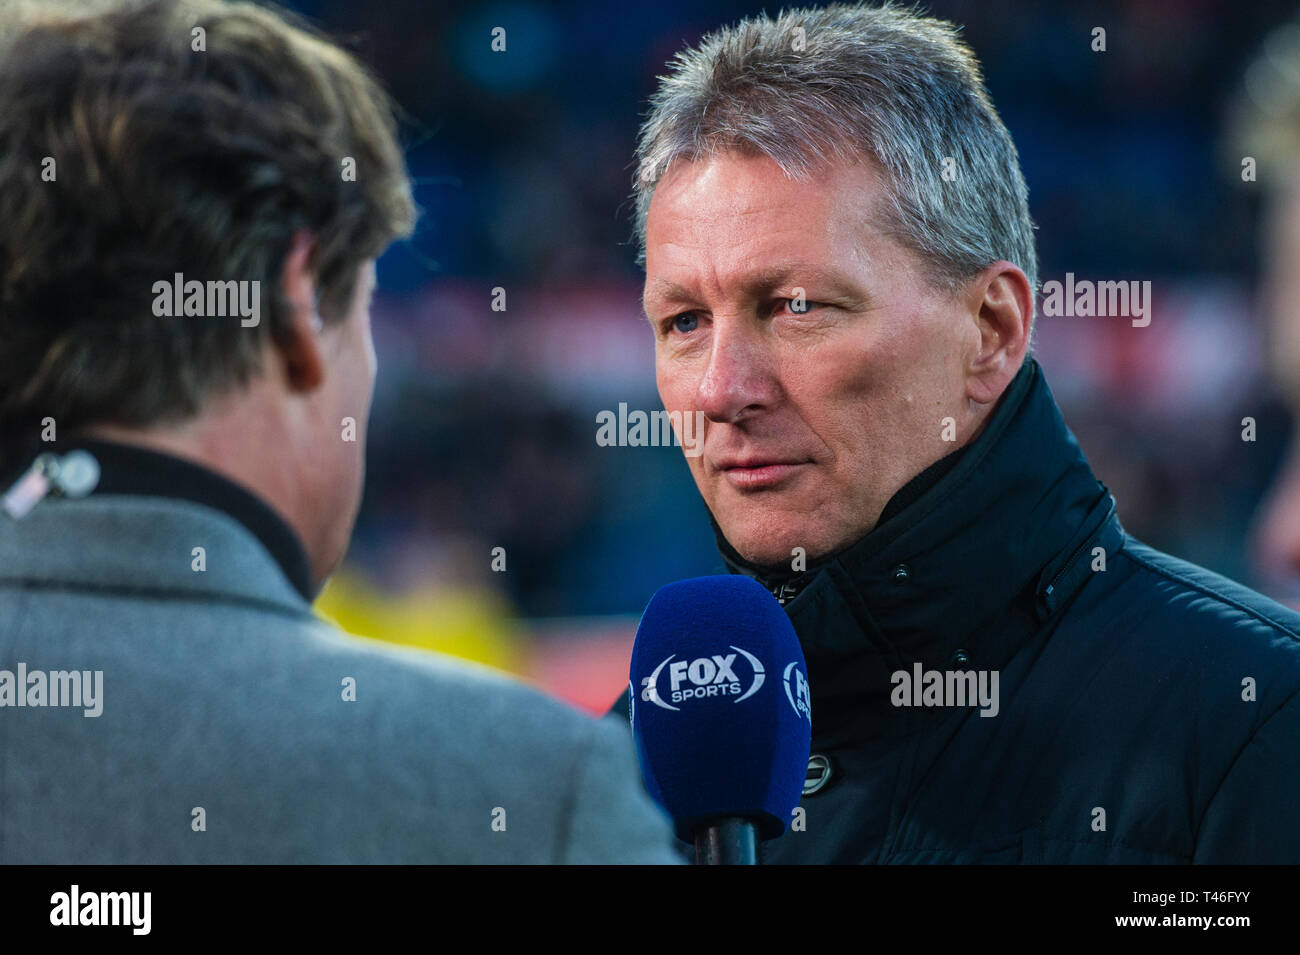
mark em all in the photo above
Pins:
pixel 730 841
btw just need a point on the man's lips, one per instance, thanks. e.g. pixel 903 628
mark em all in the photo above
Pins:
pixel 751 474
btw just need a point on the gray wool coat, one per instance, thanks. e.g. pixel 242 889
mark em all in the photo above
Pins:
pixel 224 732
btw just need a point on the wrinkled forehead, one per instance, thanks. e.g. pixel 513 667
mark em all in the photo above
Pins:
pixel 744 218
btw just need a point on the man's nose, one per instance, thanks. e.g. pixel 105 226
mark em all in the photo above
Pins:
pixel 740 376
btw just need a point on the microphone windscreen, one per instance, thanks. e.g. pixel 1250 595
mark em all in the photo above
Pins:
pixel 721 708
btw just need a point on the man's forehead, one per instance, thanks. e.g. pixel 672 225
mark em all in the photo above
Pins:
pixel 685 283
pixel 741 217
pixel 735 183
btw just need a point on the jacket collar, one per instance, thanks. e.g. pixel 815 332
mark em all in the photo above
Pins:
pixel 975 562
pixel 144 546
pixel 126 469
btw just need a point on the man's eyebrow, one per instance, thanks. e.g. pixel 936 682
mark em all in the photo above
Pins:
pixel 796 275
pixel 664 291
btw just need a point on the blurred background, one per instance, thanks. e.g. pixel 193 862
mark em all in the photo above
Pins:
pixel 483 430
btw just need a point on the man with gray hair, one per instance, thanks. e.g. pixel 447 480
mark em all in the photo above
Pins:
pixel 840 274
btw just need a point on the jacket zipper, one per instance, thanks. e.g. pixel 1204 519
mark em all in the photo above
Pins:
pixel 1051 587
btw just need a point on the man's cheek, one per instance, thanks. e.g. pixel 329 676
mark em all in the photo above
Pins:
pixel 663 382
pixel 676 394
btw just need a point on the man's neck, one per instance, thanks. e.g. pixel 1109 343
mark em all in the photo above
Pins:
pixel 259 471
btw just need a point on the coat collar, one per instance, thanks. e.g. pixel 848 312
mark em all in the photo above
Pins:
pixel 144 546
pixel 976 561
pixel 132 470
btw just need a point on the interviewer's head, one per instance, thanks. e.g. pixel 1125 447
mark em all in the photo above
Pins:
pixel 141 140
pixel 849 155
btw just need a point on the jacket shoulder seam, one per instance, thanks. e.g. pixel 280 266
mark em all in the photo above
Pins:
pixel 1209 592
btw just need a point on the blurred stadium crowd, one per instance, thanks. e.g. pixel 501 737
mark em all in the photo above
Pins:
pixel 484 422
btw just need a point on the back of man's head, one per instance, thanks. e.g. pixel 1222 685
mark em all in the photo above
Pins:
pixel 147 145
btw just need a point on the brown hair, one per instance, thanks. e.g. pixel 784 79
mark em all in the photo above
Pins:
pixel 170 159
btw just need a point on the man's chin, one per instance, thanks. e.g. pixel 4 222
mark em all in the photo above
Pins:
pixel 761 543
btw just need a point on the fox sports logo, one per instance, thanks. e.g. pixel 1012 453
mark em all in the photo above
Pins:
pixel 797 691
pixel 708 677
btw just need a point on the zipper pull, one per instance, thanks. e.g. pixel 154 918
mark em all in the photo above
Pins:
pixel 74 475
pixel 785 592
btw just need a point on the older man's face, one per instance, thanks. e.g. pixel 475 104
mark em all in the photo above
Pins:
pixel 813 419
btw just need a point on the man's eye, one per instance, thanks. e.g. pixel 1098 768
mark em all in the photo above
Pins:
pixel 798 306
pixel 686 322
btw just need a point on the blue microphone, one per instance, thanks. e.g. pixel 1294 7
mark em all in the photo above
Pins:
pixel 721 713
